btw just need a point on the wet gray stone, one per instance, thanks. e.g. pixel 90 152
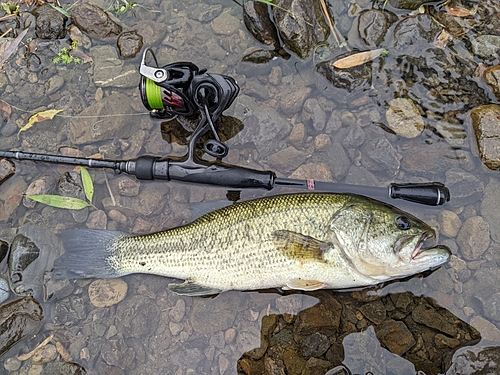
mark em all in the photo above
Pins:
pixel 381 157
pixel 361 176
pixel 50 23
pixel 352 136
pixel 374 311
pixel 217 340
pixel 94 21
pixel 137 316
pixel 343 85
pixel 83 130
pixel 205 13
pixel 486 125
pixel 492 307
pixel 53 84
pixel 97 220
pixel 111 71
pixel 313 112
pixel 486 45
pixel 22 254
pixel 4 290
pixel 19 319
pixel 116 352
pixel 315 345
pixel 408 4
pixel 474 238
pixel 287 160
pixel 264 126
pixel 63 368
pixel 414 33
pixel 302 26
pixel 371 27
pixel 7 170
pixel 342 162
pixel 225 24
pixel 130 44
pixel 178 311
pixel 465 188
pixel 490 208
pixel 211 315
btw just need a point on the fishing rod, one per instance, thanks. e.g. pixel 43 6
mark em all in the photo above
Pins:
pixel 181 89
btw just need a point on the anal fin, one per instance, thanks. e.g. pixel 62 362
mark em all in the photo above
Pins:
pixel 189 288
pixel 301 284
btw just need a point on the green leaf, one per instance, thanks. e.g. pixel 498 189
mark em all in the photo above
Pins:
pixel 88 186
pixel 59 201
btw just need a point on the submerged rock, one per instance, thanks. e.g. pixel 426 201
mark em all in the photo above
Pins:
pixel 19 319
pixel 343 85
pixel 486 45
pixel 371 27
pixel 404 118
pixel 107 292
pixel 301 25
pixel 94 21
pixel 129 44
pixel 486 125
pixel 492 77
pixel 50 23
pixel 7 170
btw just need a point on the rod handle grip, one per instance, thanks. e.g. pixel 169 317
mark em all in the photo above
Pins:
pixel 431 194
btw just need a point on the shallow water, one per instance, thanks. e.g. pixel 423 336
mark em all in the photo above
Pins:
pixel 344 139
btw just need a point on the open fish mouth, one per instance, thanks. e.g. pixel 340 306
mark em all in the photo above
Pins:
pixel 403 245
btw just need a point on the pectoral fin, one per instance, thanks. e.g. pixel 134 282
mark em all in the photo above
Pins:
pixel 300 247
pixel 189 288
pixel 309 285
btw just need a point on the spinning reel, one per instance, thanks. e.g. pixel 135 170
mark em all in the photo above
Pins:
pixel 182 89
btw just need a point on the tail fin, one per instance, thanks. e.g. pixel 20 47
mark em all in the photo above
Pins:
pixel 88 254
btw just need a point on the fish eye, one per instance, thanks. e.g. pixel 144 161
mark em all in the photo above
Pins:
pixel 402 223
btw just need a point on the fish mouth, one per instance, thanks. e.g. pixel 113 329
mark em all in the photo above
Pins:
pixel 404 244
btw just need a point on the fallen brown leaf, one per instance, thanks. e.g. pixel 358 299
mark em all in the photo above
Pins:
pixel 357 59
pixel 460 11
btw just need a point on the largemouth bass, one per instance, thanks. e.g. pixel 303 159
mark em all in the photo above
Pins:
pixel 294 241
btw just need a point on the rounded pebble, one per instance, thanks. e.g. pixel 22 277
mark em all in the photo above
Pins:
pixel 4 290
pixel 107 292
pixel 12 364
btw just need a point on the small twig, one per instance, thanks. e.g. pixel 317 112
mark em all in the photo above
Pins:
pixel 109 189
pixel 8 31
pixel 24 357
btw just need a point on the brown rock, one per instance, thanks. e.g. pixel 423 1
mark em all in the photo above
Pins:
pixel 107 292
pixel 492 77
pixel 10 197
pixel 94 21
pixel 396 336
pixel 486 125
pixel 7 169
pixel 315 171
pixel 323 317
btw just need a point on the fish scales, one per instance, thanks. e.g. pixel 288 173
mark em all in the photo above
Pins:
pixel 231 248
pixel 305 241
